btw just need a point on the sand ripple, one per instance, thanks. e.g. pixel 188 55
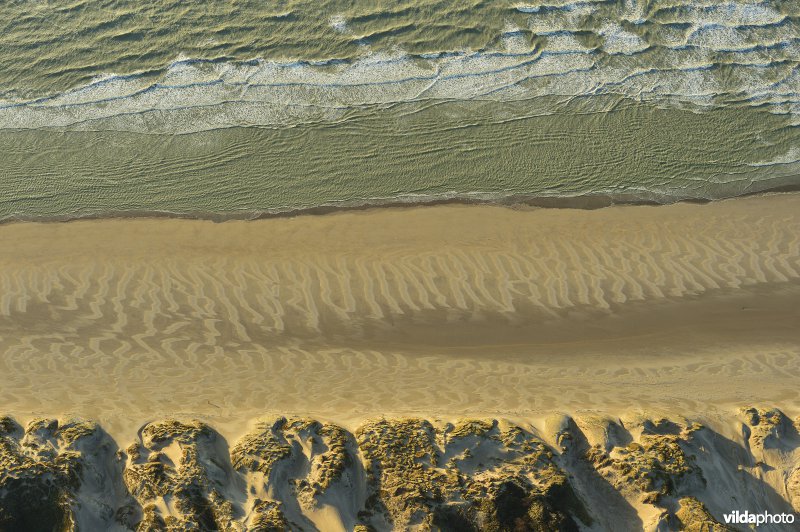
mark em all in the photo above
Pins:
pixel 455 308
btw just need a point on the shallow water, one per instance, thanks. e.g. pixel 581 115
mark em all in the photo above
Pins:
pixel 240 108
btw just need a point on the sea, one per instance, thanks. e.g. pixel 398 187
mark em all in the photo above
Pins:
pixel 245 108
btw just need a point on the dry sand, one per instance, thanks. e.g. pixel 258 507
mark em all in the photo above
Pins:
pixel 446 310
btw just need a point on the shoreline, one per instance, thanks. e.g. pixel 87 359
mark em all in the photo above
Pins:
pixel 515 201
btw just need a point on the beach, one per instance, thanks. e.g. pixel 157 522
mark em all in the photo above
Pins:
pixel 452 310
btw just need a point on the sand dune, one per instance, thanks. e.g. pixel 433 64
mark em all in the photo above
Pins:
pixel 457 309
pixel 595 472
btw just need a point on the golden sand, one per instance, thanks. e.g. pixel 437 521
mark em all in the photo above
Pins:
pixel 456 310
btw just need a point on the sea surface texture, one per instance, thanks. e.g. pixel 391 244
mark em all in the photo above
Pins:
pixel 237 108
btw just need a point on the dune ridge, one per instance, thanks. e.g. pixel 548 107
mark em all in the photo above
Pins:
pixel 560 473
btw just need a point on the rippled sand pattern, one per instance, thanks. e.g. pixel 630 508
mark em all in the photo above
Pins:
pixel 454 308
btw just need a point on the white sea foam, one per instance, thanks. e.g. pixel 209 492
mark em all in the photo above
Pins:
pixel 710 63
pixel 635 11
pixel 725 14
pixel 514 41
pixel 339 23
pixel 790 157
pixel 563 5
pixel 619 41
pixel 571 19
pixel 564 42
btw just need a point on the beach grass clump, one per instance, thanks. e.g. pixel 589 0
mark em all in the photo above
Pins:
pixel 260 449
pixel 519 486
pixel 309 457
pixel 40 472
pixel 180 463
pixel 471 427
pixel 657 466
pixel 264 448
pixel 793 488
pixel 332 464
pixel 693 516
pixel 267 516
pixel 401 458
pixel 484 475
pixel 769 429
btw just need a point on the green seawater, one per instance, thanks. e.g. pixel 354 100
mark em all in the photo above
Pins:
pixel 244 107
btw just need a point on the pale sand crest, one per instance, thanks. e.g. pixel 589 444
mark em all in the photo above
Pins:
pixel 459 310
